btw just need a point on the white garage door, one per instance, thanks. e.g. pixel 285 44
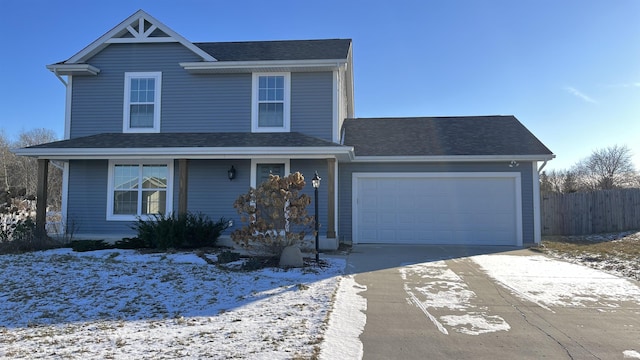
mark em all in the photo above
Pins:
pixel 437 208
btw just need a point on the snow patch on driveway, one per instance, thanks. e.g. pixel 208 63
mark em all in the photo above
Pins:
pixel 557 283
pixel 443 290
pixel 476 323
pixel 631 354
pixel 346 323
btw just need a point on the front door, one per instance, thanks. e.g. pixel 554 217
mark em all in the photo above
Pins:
pixel 264 170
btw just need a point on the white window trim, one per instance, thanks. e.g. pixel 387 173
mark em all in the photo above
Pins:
pixel 126 128
pixel 286 123
pixel 111 187
pixel 255 162
pixel 254 169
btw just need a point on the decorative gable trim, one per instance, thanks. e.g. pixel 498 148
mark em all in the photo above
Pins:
pixel 137 28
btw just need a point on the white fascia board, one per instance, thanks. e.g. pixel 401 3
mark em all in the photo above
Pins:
pixel 263 65
pixel 73 69
pixel 105 39
pixel 184 152
pixel 453 158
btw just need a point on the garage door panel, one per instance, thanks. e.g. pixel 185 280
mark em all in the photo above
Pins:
pixel 437 210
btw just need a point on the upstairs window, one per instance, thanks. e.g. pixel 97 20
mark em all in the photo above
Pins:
pixel 142 101
pixel 271 104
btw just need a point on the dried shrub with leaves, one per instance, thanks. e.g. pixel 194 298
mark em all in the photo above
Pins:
pixel 275 214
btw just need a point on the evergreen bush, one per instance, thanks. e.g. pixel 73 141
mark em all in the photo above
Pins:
pixel 182 231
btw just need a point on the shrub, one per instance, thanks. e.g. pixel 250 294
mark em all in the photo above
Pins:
pixel 227 257
pixel 253 264
pixel 275 214
pixel 132 243
pixel 19 236
pixel 179 231
pixel 89 245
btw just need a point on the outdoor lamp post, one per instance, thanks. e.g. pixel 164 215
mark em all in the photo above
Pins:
pixel 316 184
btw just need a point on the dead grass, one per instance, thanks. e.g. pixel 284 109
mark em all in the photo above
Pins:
pixel 616 252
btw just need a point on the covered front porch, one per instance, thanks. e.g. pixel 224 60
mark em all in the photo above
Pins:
pixel 198 179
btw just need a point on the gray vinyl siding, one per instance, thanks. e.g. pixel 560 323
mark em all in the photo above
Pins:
pixel 206 103
pixel 347 169
pixel 311 104
pixel 190 102
pixel 87 200
pixel 211 192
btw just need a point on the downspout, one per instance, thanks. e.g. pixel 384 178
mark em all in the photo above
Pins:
pixel 55 72
pixel 57 164
pixel 542 166
pixel 65 165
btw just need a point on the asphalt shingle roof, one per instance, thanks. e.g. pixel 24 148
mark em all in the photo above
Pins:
pixel 277 50
pixel 181 140
pixel 441 136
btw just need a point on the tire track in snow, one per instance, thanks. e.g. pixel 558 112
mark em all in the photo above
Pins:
pixel 420 306
pixel 445 290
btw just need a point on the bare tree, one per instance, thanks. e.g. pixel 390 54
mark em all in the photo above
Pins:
pixel 607 168
pixel 18 174
pixel 553 181
pixel 28 166
pixel 6 158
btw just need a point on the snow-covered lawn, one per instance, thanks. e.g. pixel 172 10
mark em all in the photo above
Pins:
pixel 121 304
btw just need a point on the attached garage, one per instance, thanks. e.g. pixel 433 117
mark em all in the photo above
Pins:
pixel 472 208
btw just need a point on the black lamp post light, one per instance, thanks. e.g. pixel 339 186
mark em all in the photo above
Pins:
pixel 316 184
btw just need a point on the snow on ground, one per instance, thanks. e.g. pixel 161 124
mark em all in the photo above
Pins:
pixel 121 304
pixel 445 291
pixel 549 282
pixel 347 321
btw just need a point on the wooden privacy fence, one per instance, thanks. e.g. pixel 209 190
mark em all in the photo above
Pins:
pixel 590 212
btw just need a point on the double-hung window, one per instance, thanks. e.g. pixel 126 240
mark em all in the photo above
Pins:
pixel 271 102
pixel 142 94
pixel 139 189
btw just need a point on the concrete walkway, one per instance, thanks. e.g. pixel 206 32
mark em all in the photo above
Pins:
pixel 468 315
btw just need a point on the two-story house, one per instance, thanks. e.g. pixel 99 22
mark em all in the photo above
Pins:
pixel 157 124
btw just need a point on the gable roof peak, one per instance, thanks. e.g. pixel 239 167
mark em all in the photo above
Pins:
pixel 140 27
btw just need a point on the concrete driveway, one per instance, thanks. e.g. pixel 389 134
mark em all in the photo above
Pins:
pixel 436 302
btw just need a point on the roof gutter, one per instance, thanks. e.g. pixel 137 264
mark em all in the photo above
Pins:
pixel 73 69
pixel 322 152
pixel 454 158
pixel 262 65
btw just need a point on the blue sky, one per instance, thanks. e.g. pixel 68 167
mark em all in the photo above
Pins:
pixel 569 70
